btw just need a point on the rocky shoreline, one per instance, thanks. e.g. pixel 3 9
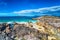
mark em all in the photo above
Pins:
pixel 19 31
pixel 46 28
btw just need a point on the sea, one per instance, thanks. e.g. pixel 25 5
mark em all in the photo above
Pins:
pixel 6 19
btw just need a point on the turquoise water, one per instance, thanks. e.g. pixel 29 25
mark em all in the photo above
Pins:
pixel 20 18
pixel 16 19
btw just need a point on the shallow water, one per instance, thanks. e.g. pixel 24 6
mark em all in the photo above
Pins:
pixel 16 19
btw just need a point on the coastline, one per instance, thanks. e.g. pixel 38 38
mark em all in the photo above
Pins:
pixel 33 29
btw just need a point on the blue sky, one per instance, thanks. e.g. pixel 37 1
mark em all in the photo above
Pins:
pixel 12 7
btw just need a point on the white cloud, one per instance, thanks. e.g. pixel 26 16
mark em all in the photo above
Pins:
pixel 41 10
pixel 27 11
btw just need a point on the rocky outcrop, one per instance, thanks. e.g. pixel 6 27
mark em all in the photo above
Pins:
pixel 51 24
pixel 46 28
pixel 20 32
pixel 31 33
pixel 51 20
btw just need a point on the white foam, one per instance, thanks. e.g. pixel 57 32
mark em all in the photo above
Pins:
pixel 22 22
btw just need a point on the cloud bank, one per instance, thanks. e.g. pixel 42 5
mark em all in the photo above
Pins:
pixel 55 10
pixel 41 10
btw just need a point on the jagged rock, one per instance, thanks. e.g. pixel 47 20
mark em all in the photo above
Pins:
pixel 23 31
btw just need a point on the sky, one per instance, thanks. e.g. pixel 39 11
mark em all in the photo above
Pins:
pixel 27 7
